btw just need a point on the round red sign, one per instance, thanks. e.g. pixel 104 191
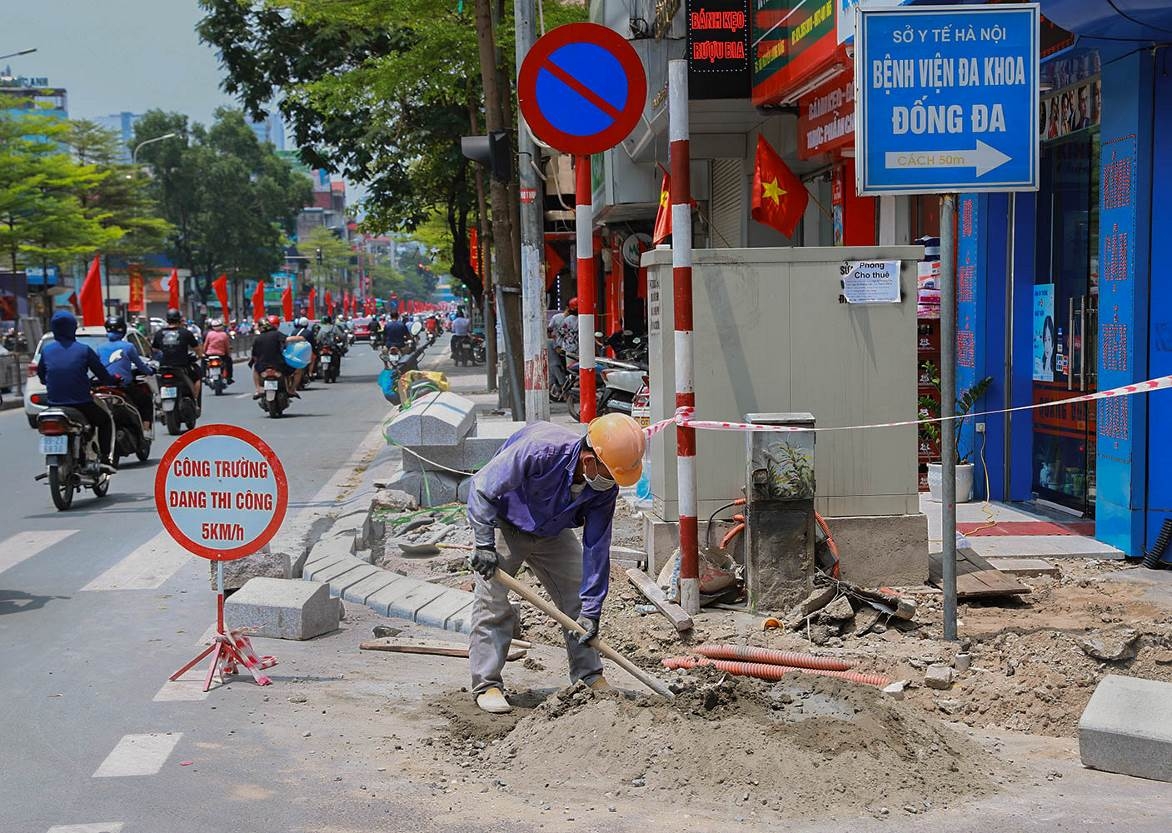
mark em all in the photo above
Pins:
pixel 582 88
pixel 221 492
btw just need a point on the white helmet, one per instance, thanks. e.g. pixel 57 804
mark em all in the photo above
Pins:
pixel 303 321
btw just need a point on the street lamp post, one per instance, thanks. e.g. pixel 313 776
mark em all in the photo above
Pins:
pixel 140 145
pixel 17 54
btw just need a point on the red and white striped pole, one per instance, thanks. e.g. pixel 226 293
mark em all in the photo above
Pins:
pixel 681 269
pixel 587 292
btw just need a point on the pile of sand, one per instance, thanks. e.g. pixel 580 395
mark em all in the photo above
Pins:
pixel 808 745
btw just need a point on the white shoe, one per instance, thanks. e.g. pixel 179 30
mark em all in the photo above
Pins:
pixel 493 701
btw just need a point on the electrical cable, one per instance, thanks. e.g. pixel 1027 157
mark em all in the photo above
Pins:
pixel 986 506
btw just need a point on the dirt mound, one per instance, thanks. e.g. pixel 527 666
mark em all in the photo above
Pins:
pixel 807 745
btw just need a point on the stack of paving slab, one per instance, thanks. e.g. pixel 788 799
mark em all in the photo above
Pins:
pixel 442 441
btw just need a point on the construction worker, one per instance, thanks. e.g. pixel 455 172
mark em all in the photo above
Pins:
pixel 544 481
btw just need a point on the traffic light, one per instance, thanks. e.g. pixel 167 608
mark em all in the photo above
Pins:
pixel 494 151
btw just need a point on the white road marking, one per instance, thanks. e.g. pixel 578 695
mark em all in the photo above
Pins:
pixel 147 568
pixel 138 755
pixel 185 689
pixel 100 827
pixel 244 395
pixel 24 545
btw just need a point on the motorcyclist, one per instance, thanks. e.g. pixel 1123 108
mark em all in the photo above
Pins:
pixel 174 346
pixel 331 335
pixel 309 333
pixel 268 351
pixel 65 368
pixel 218 343
pixel 395 334
pixel 121 359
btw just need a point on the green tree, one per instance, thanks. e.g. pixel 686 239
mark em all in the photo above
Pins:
pixel 43 220
pixel 231 201
pixel 121 200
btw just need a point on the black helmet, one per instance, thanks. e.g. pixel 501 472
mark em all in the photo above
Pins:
pixel 174 316
pixel 116 324
pixel 327 319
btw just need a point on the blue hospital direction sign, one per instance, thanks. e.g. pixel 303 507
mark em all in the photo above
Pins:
pixel 947 99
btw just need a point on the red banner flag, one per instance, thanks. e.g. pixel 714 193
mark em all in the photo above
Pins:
pixel 329 303
pixel 312 303
pixel 93 311
pixel 220 285
pixel 779 197
pixel 663 213
pixel 287 303
pixel 73 305
pixel 258 301
pixel 173 290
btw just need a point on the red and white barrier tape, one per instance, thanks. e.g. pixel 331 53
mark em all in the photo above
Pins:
pixel 684 415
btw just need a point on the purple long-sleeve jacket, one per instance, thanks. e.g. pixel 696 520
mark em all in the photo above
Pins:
pixel 527 485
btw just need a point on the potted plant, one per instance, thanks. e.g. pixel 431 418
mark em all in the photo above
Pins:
pixel 930 407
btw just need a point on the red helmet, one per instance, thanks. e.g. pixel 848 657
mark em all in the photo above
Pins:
pixel 274 321
pixel 572 306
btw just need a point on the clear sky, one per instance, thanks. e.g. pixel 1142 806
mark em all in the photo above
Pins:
pixel 115 55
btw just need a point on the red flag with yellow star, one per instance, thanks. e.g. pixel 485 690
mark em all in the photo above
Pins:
pixel 663 214
pixel 779 198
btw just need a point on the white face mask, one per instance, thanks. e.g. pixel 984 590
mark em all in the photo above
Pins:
pixel 599 483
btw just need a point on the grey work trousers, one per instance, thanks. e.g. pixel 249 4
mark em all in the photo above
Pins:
pixel 557 563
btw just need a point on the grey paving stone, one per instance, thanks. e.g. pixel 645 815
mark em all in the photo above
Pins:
pixel 362 591
pixel 351 577
pixel 332 571
pixel 282 608
pixel 1127 728
pixel 436 613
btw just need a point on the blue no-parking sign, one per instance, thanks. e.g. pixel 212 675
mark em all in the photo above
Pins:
pixel 947 99
pixel 582 88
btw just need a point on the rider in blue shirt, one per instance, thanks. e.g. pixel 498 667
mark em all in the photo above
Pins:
pixel 65 368
pixel 121 358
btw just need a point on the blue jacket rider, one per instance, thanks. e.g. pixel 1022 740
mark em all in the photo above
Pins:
pixel 65 368
pixel 121 358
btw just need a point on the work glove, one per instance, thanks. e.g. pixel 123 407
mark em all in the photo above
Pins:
pixel 484 560
pixel 591 628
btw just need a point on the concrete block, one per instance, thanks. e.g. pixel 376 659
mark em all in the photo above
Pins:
pixel 877 550
pixel 292 540
pixel 362 591
pixel 436 613
pixel 282 608
pixel 404 599
pixel 264 563
pixel 485 441
pixel 330 571
pixel 340 584
pixel 436 419
pixel 460 622
pixel 1127 728
pixel 389 499
pixel 433 457
pixel 938 677
pixel 661 537
pixel 430 488
pixel 1026 567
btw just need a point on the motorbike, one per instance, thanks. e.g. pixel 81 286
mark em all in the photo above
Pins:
pixel 131 436
pixel 397 363
pixel 478 348
pixel 621 382
pixel 276 398
pixel 177 400
pixel 215 375
pixel 462 350
pixel 73 458
pixel 329 362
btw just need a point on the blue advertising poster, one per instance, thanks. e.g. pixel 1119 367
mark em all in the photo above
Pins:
pixel 1045 338
pixel 947 99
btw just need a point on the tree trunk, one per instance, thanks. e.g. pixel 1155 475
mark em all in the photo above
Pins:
pixel 488 301
pixel 508 275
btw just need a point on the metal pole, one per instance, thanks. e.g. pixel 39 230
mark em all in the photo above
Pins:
pixel 532 233
pixel 587 292
pixel 948 407
pixel 681 263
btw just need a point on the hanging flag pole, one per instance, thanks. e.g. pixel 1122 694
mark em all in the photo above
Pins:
pixel 681 263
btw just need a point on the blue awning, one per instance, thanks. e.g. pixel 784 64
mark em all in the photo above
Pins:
pixel 1126 20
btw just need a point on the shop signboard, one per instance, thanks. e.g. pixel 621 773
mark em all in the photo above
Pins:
pixel 826 117
pixel 718 49
pixel 137 302
pixel 947 99
pixel 790 39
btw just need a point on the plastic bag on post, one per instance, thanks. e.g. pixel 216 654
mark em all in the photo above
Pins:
pixel 386 383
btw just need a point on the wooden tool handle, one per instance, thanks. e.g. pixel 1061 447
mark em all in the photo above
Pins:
pixel 654 683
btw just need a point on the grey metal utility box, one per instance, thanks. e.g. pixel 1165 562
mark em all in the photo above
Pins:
pixel 770 335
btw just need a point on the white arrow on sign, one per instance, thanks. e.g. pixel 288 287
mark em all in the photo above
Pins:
pixel 984 158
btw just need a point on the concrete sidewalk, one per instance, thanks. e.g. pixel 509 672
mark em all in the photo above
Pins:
pixel 1015 546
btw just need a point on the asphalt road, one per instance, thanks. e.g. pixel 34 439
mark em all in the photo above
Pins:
pixel 97 608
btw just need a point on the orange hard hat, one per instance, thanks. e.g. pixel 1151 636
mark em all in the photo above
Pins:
pixel 619 443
